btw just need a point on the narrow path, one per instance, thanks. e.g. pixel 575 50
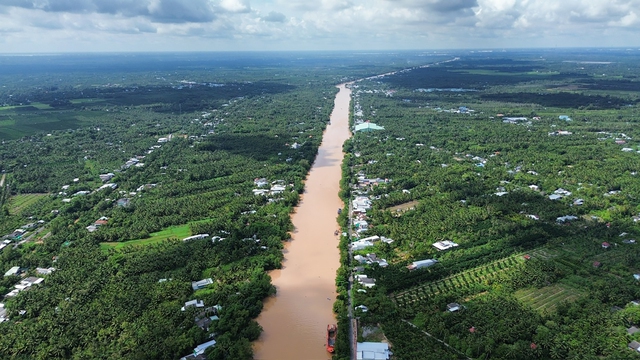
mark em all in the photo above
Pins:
pixel 2 180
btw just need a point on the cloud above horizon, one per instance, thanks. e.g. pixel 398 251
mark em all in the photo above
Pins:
pixel 175 25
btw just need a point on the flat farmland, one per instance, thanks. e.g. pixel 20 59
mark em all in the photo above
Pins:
pixel 21 202
pixel 546 299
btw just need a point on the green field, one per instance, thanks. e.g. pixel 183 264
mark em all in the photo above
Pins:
pixel 16 122
pixel 18 203
pixel 547 298
pixel 36 105
pixel 179 232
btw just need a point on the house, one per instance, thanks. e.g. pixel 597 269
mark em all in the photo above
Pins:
pixel 527 257
pixel 562 192
pixel 555 197
pixel 362 308
pixel 196 237
pixel 361 204
pixel 534 187
pixel 193 303
pixel 368 127
pixel 31 280
pixel 444 245
pixel 422 264
pixel 596 264
pixel 207 316
pixel 632 330
pixel 563 219
pixel 260 182
pixel 360 244
pixel 636 276
pixel 365 281
pixel 564 117
pixel 634 345
pixel 386 240
pixel 453 307
pixel 277 189
pixel 102 221
pixel 3 313
pixel 578 202
pixel 201 284
pixel 198 351
pixel 534 217
pixel 606 245
pixel 45 271
pixel 14 271
pixel 372 351
pixel 371 259
pixel 108 186
pixel 124 202
pixel 106 177
pixel 361 225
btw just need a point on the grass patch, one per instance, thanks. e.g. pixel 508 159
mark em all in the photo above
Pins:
pixel 179 232
pixel 546 299
pixel 18 203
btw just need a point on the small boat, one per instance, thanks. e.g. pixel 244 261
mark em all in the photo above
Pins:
pixel 339 211
pixel 332 331
pixel 336 233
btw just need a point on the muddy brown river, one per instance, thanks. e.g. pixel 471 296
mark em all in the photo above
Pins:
pixel 295 319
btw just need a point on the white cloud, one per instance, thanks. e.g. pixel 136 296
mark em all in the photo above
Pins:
pixel 323 24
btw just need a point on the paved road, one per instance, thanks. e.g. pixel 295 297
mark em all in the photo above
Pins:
pixel 28 238
pixel 352 332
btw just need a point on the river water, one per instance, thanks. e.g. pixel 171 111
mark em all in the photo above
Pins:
pixel 295 319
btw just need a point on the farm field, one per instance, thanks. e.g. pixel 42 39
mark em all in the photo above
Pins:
pixel 479 275
pixel 174 232
pixel 546 299
pixel 17 203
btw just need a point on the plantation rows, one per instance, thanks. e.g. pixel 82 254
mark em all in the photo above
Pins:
pixel 459 281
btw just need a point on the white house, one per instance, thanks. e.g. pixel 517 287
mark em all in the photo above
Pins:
pixel 422 264
pixel 360 244
pixel 372 351
pixel 193 303
pixel 196 237
pixel 13 271
pixel 197 285
pixel 444 245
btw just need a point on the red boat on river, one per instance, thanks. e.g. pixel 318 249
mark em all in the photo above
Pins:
pixel 332 331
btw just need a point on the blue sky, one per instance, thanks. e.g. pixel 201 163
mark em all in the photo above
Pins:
pixel 232 25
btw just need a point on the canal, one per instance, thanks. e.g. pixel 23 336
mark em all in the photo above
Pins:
pixel 295 319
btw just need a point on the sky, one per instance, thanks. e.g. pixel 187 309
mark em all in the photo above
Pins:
pixel 46 26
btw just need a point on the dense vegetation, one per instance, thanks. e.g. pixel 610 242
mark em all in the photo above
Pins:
pixel 477 146
pixel 184 138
